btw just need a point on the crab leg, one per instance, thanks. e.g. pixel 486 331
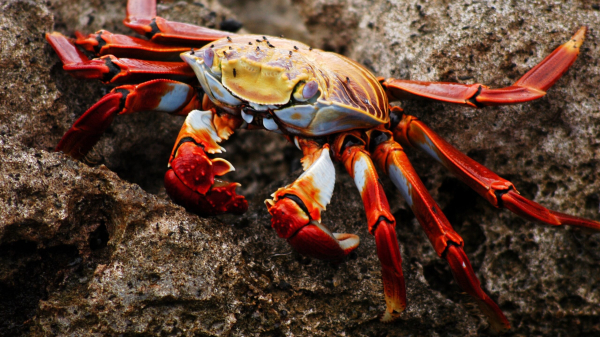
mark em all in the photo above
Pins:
pixel 141 17
pixel 296 209
pixel 106 43
pixel 349 148
pixel 499 192
pixel 190 180
pixel 532 85
pixel 157 95
pixel 110 69
pixel 391 158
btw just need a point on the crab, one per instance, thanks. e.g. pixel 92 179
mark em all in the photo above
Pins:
pixel 329 106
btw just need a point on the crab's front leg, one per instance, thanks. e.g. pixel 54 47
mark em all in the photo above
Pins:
pixel 191 179
pixel 350 149
pixel 142 18
pixel 296 209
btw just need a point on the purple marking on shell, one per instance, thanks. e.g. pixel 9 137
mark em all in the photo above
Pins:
pixel 310 89
pixel 209 56
pixel 256 56
pixel 232 55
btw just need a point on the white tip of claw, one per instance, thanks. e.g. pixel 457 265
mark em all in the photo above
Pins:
pixel 221 166
pixel 269 202
pixel 348 242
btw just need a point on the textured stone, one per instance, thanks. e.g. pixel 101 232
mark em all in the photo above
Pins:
pixel 86 251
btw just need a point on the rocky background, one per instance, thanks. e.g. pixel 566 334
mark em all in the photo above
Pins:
pixel 97 247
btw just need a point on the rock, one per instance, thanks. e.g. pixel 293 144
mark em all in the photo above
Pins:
pixel 99 248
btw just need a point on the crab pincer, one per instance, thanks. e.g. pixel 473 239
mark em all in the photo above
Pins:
pixel 190 180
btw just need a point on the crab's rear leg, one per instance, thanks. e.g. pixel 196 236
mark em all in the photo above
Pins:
pixel 106 43
pixel 532 85
pixel 349 148
pixel 141 17
pixel 391 158
pixel 113 70
pixel 499 192
pixel 296 208
pixel 191 180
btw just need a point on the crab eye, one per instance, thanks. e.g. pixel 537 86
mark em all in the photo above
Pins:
pixel 310 89
pixel 209 56
pixel 306 91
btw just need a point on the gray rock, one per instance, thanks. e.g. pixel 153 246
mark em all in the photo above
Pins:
pixel 86 251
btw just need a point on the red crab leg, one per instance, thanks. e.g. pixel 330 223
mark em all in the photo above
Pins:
pixel 350 150
pixel 499 192
pixel 391 158
pixel 191 179
pixel 532 85
pixel 106 43
pixel 296 209
pixel 110 69
pixel 141 17
pixel 158 95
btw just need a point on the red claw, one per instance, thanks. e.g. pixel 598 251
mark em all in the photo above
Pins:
pixel 296 209
pixel 191 182
pixel 308 237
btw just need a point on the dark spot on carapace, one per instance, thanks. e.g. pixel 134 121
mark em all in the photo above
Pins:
pixel 233 72
pixel 228 39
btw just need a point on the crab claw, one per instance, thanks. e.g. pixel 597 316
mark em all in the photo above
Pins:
pixel 191 182
pixel 296 211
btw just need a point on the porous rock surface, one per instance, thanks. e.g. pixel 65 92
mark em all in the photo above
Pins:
pixel 97 248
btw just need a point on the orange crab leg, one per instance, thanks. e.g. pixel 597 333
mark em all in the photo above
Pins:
pixel 532 85
pixel 141 17
pixel 350 150
pixel 191 179
pixel 158 95
pixel 296 209
pixel 499 192
pixel 106 43
pixel 391 158
pixel 110 69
